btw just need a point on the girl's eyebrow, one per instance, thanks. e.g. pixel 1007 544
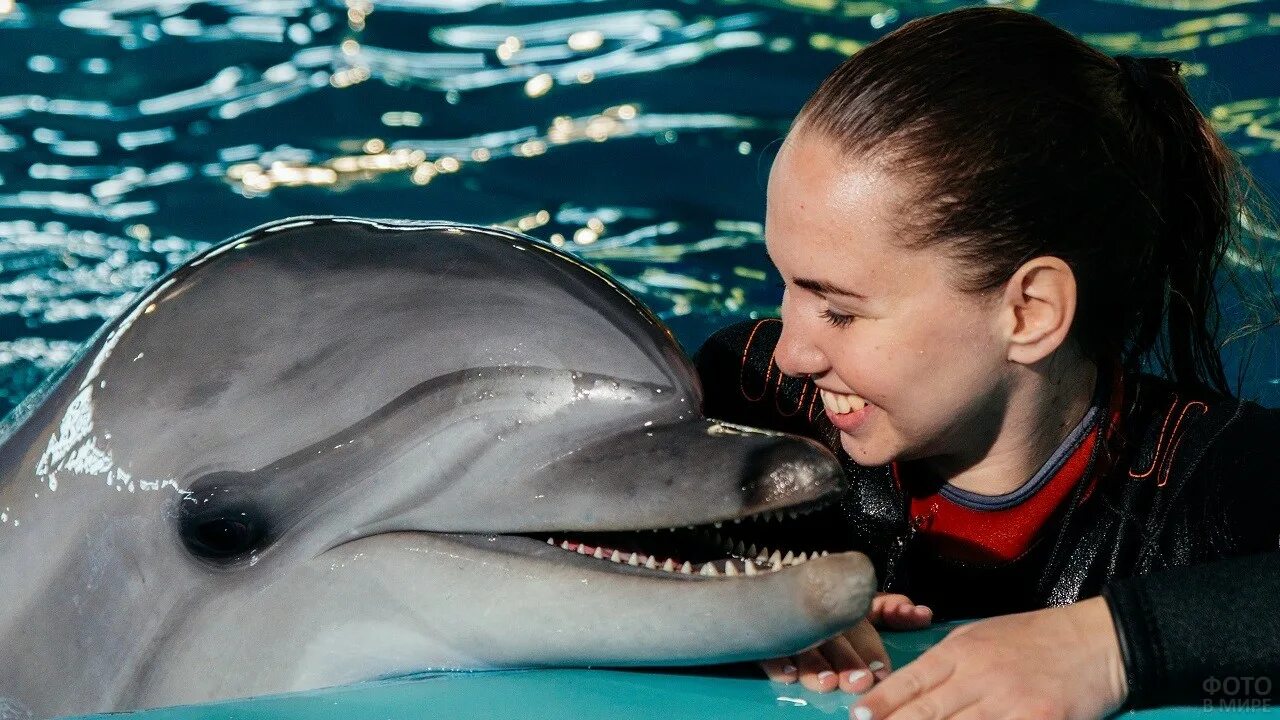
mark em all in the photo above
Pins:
pixel 826 288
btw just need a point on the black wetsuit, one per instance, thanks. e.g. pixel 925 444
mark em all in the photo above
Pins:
pixel 1186 476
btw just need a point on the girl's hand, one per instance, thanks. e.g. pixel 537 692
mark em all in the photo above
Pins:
pixel 1062 663
pixel 854 659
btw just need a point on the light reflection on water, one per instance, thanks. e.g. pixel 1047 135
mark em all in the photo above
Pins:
pixel 636 136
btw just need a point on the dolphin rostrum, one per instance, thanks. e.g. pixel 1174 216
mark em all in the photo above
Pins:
pixel 333 449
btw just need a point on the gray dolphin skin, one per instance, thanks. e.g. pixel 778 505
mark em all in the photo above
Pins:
pixel 333 449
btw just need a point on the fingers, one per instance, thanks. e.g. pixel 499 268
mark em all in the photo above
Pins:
pixel 848 662
pixel 977 711
pixel 781 670
pixel 914 683
pixel 867 644
pixel 907 617
pixel 882 601
pixel 815 671
pixel 810 667
pixel 897 612
pixel 944 702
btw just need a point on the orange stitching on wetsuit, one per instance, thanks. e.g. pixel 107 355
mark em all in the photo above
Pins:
pixel 742 368
pixel 1177 440
pixel 778 395
pixel 1155 455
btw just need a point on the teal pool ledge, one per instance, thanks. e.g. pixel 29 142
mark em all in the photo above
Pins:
pixel 558 694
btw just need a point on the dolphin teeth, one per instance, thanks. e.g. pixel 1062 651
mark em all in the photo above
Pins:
pixel 669 565
pixel 687 568
pixel 763 555
pixel 616 556
pixel 737 521
pixel 793 515
pixel 739 549
pixel 582 549
pixel 551 541
pixel 651 563
pixel 719 525
pixel 825 553
pixel 598 554
pixel 788 558
pixel 750 550
pixel 775 559
pixel 634 560
pixel 750 567
pixel 730 570
pixel 709 570
pixel 802 557
pixel 777 565
pixel 565 545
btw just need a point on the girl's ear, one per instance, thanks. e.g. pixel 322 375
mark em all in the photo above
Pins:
pixel 1038 305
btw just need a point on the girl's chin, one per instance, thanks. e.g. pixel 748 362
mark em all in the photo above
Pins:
pixel 859 451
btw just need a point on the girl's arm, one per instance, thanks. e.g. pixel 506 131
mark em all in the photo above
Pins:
pixel 1206 635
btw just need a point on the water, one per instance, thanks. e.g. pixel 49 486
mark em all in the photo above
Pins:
pixel 635 135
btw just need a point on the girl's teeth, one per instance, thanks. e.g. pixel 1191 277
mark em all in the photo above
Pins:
pixel 840 403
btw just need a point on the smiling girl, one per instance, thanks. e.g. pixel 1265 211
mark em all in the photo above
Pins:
pixel 984 226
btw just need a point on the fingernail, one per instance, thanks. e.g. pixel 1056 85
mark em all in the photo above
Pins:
pixel 825 675
pixel 875 665
pixel 788 669
pixel 861 713
pixel 857 675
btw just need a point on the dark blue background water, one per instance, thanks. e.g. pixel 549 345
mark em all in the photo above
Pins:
pixel 634 134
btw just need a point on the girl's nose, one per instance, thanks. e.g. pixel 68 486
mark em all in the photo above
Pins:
pixel 796 355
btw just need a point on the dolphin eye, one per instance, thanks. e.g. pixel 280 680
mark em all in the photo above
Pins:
pixel 219 520
pixel 223 538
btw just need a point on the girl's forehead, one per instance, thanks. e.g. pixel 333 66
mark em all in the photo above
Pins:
pixel 821 202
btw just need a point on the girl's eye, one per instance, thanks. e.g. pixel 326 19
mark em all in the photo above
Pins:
pixel 836 319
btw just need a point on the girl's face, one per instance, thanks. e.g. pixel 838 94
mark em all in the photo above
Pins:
pixel 869 321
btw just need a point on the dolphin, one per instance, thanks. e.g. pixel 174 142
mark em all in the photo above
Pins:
pixel 336 449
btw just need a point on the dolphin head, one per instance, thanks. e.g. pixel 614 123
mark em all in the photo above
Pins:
pixel 335 449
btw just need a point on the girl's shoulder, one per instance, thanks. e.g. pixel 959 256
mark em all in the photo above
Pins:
pixel 1215 455
pixel 1183 414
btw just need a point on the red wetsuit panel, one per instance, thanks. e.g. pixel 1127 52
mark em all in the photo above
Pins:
pixel 999 536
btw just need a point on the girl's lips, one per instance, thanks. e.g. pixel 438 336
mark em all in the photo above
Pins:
pixel 849 422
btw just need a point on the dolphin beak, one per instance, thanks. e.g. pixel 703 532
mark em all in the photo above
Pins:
pixel 685 474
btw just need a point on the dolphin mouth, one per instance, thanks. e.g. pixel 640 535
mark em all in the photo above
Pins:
pixel 749 545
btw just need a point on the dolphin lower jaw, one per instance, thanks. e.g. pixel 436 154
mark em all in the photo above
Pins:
pixel 621 614
pixel 401 603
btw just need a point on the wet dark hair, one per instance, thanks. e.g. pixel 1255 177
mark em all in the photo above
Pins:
pixel 1023 141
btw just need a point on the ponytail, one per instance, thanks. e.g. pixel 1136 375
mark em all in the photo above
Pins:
pixel 1185 175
